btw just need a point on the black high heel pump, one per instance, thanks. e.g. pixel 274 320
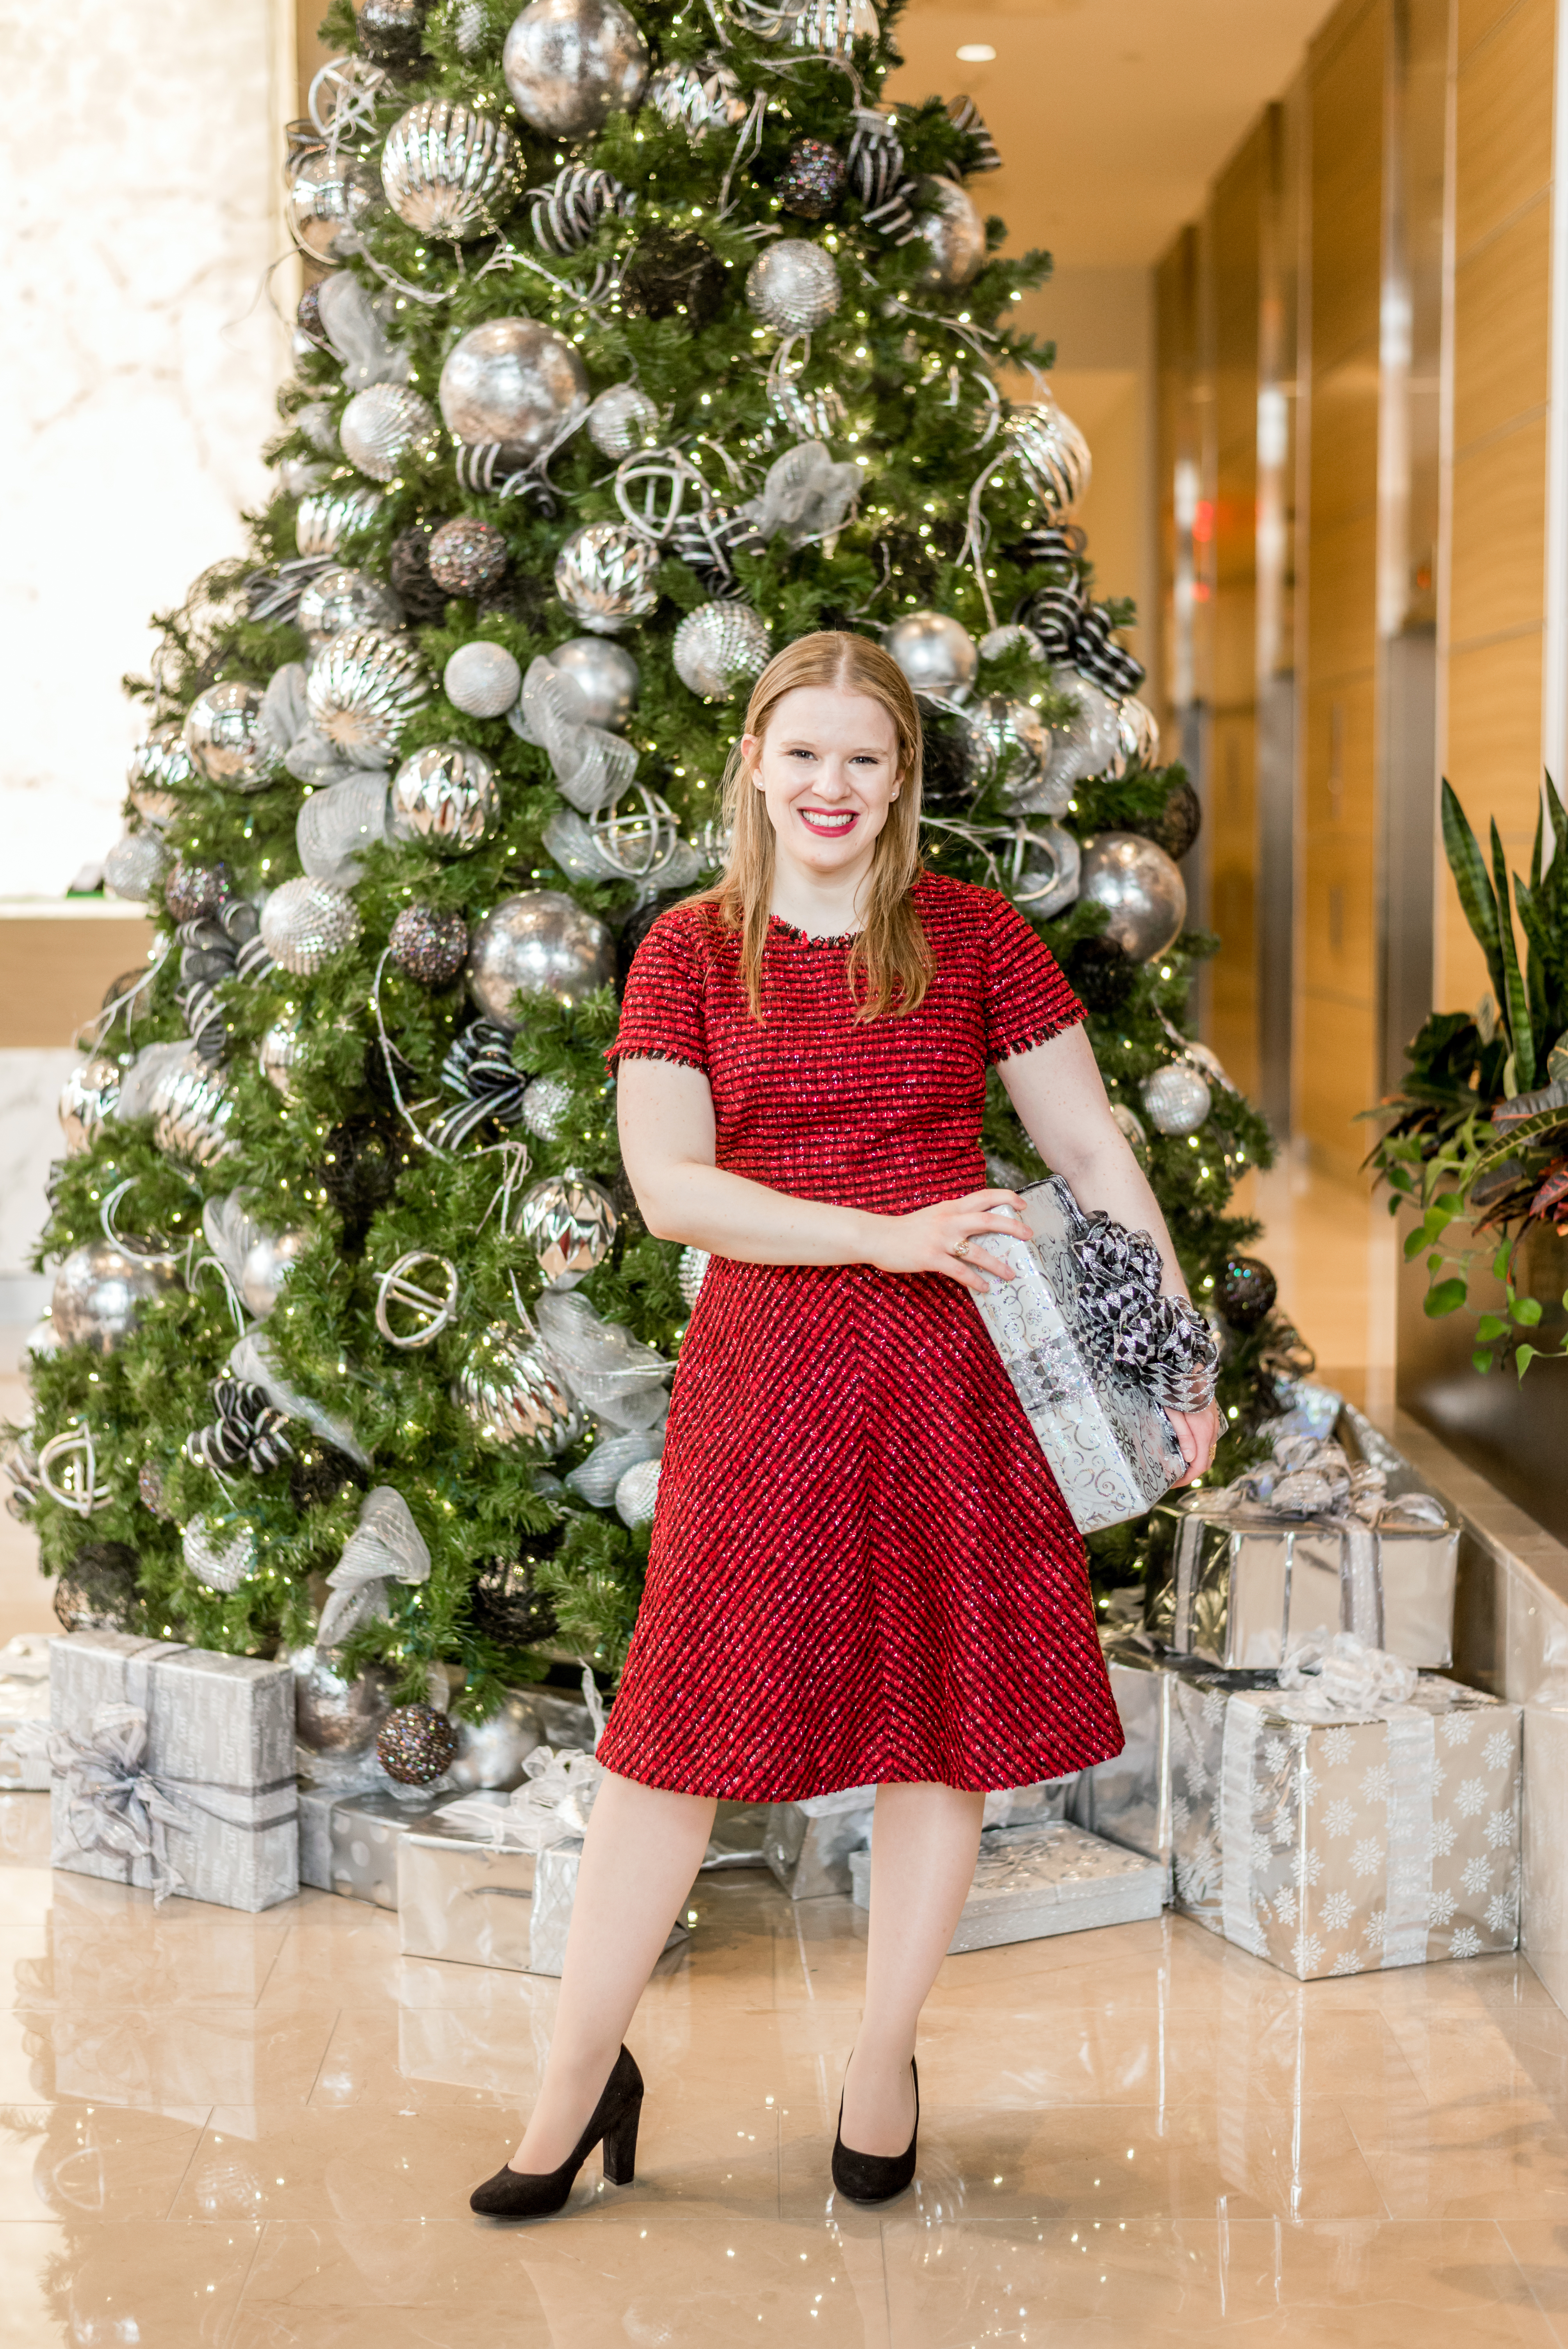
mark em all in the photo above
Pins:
pixel 875 2176
pixel 524 2194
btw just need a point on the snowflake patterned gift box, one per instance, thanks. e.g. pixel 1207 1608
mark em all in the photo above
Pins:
pixel 1385 1837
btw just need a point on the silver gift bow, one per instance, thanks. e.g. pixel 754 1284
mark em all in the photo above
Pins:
pixel 1310 1476
pixel 550 1807
pixel 1346 1678
pixel 112 1804
pixel 387 1546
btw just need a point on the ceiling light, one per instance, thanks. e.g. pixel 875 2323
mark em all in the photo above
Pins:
pixel 976 53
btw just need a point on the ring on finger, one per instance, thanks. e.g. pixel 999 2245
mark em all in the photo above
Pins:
pixel 961 1248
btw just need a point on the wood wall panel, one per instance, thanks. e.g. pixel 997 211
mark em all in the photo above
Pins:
pixel 1476 19
pixel 1494 731
pixel 1345 103
pixel 1500 534
pixel 1503 122
pixel 1502 362
pixel 1343 607
pixel 1338 1077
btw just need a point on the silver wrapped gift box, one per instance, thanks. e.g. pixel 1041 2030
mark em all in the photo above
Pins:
pixel 809 1845
pixel 25 1713
pixel 1032 1882
pixel 348 1843
pixel 1110 1447
pixel 201 1801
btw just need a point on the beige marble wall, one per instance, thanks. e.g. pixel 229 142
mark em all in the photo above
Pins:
pixel 138 369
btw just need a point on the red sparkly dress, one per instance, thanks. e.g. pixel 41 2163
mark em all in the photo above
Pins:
pixel 861 1569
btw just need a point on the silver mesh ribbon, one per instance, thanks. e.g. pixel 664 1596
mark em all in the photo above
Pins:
pixel 112 1804
pixel 386 1546
pixel 591 766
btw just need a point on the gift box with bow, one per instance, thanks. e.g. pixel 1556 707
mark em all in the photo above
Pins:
pixel 25 1713
pixel 1032 1882
pixel 1308 1546
pixel 172 1768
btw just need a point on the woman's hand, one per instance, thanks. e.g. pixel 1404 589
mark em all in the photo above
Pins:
pixel 1198 1433
pixel 946 1237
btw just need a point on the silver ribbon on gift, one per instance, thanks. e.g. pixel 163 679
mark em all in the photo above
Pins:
pixel 550 1807
pixel 1344 1677
pixel 591 767
pixel 386 1546
pixel 113 1804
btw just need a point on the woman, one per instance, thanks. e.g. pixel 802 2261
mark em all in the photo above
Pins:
pixel 861 1569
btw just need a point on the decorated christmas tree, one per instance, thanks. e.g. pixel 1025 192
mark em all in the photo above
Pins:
pixel 638 341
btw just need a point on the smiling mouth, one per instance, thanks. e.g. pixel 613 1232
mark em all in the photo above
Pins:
pixel 828 821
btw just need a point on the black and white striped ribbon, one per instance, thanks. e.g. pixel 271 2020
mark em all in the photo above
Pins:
pixel 480 1070
pixel 248 1432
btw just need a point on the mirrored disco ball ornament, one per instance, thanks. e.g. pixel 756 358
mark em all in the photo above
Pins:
pixel 793 285
pixel 193 891
pixel 598 681
pixel 483 679
pixel 446 796
pixel 697 99
pixel 569 1222
pixel 622 419
pixel 277 1055
pixel 637 1494
pixel 607 576
pixel 1177 1098
pixel 387 426
pixel 513 382
pixel 329 516
pixel 570 64
pixel 415 1743
pixel 720 647
pixel 269 1260
pixel 546 1107
pixel 1140 887
pixel 935 653
pixel 88 1098
pixel 305 922
pixel 159 770
pixel 431 947
pixel 448 170
pixel 467 556
pixel 1131 1127
pixel 1137 734
pixel 538 943
pixel 339 599
pixel 1043 869
pixel 192 1107
pixel 333 1715
pixel 134 866
pixel 954 234
pixel 1245 1291
pixel 222 736
pixel 694 1263
pixel 1002 736
pixel 1052 455
pixel 812 181
pixel 513 1393
pixel 362 689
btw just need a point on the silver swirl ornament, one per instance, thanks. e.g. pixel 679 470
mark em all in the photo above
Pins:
pixel 1004 737
pixel 385 427
pixel 721 647
pixel 305 922
pixel 698 99
pixel 449 170
pixel 328 517
pixel 606 575
pixel 954 232
pixel 793 285
pixel 222 734
pixel 362 689
pixel 622 420
pixel 563 216
pixel 512 1392
pixel 569 1222
pixel 512 384
pixel 337 598
pixel 1051 454
pixel 570 64
pixel 446 795
pixel 192 1107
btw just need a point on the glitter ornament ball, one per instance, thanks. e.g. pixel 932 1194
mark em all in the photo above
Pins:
pixel 513 383
pixel 1141 889
pixel 448 170
pixel 812 181
pixel 326 517
pixel 690 1273
pixel 720 647
pixel 191 892
pixel 134 866
pixel 599 681
pixel 467 556
pixel 385 427
pixel 793 285
pixel 1245 1291
pixel 390 33
pixel 569 1222
pixel 606 576
pixel 222 736
pixel 483 679
pixel 622 419
pixel 954 234
pixel 305 922
pixel 88 1098
pixel 570 64
pixel 431 947
pixel 546 1107
pixel 637 1493
pixel 540 942
pixel 339 599
pixel 415 1743
pixel 513 1393
pixel 1177 1098
pixel 936 653
pixel 362 689
pixel 409 565
pixel 446 796
pixel 101 1291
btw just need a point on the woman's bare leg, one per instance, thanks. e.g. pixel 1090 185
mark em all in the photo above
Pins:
pixel 641 1853
pixel 923 1848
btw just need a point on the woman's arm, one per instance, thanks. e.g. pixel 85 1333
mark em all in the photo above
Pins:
pixel 666 1113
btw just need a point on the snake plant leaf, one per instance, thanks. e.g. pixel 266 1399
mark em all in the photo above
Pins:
pixel 1471 879
pixel 1515 1002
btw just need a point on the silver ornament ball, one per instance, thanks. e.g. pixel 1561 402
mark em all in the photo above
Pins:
pixel 569 1222
pixel 483 679
pixel 448 170
pixel 387 426
pixel 720 647
pixel 338 599
pixel 691 1272
pixel 1052 454
pixel 305 922
pixel 1131 1127
pixel 222 736
pixel 538 943
pixel 514 383
pixel 1002 737
pixel 446 795
pixel 491 1753
pixel 936 653
pixel 570 64
pixel 1137 735
pixel 134 866
pixel 1044 869
pixel 269 1260
pixel 1177 1098
pixel 698 99
pixel 333 1715
pixel 607 577
pixel 511 1391
pixel 88 1099
pixel 599 681
pixel 190 1108
pixel 278 1054
pixel 954 234
pixel 793 285
pixel 362 689
pixel 622 419
pixel 101 1291
pixel 1088 744
pixel 546 1107
pixel 1141 888
pixel 159 770
pixel 328 516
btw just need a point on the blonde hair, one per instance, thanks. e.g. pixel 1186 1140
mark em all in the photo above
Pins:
pixel 890 964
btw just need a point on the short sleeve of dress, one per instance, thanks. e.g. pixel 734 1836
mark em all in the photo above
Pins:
pixel 1026 998
pixel 662 1011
